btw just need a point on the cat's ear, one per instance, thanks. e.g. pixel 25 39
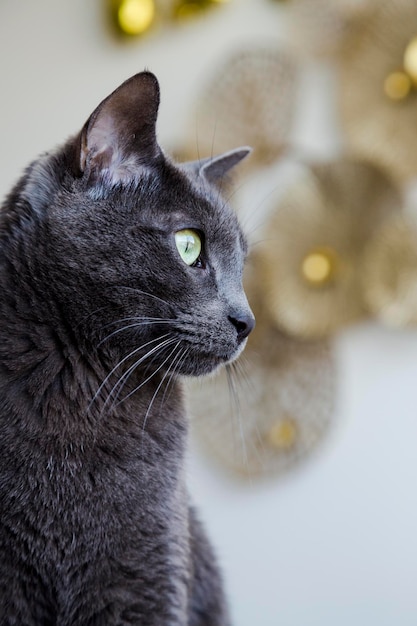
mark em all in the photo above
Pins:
pixel 216 169
pixel 119 138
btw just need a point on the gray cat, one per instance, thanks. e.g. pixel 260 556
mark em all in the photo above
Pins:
pixel 120 272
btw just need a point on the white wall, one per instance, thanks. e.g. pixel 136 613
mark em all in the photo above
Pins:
pixel 334 543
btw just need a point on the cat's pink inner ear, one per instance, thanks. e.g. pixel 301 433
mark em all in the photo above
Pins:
pixel 119 138
pixel 98 141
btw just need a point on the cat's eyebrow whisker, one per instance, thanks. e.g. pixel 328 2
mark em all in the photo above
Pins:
pixel 121 363
pixel 213 138
pixel 237 188
pixel 258 209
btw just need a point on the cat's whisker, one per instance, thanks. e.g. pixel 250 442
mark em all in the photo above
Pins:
pixel 144 293
pixel 145 419
pixel 240 374
pixel 236 408
pixel 118 387
pixel 68 431
pixel 174 367
pixel 91 314
pixel 151 375
pixel 137 318
pixel 141 322
pixel 239 367
pixel 135 351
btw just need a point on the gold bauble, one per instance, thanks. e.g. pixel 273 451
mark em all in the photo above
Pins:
pixel 397 85
pixel 184 9
pixel 319 266
pixel 133 17
pixel 283 433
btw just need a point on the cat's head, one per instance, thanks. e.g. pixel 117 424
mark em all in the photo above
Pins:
pixel 143 256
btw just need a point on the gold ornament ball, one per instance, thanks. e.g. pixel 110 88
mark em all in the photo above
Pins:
pixel 135 17
pixel 184 9
pixel 283 434
pixel 397 85
pixel 318 266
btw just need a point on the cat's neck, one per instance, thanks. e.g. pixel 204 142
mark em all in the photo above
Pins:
pixel 55 388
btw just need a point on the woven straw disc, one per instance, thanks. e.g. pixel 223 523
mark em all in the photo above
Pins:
pixel 283 402
pixel 249 101
pixel 329 26
pixel 327 216
pixel 378 127
pixel 390 272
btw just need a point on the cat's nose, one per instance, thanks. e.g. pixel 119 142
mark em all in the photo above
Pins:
pixel 244 324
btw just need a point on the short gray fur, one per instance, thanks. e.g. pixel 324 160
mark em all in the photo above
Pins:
pixel 99 319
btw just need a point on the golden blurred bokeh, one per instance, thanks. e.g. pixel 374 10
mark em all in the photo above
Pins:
pixel 311 259
pixel 274 410
pixel 377 98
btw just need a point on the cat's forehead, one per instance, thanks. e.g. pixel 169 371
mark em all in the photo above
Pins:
pixel 177 199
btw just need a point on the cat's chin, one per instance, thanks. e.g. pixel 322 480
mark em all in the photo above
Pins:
pixel 206 364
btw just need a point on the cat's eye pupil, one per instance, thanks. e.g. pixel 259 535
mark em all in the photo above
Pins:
pixel 188 244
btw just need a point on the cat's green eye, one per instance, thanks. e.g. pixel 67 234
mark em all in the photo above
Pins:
pixel 188 244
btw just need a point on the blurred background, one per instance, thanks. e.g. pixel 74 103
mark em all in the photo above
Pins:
pixel 304 464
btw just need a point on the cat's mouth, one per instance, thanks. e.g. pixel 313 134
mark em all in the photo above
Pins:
pixel 202 363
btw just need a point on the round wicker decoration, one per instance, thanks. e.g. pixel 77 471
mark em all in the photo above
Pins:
pixel 314 243
pixel 249 101
pixel 390 272
pixel 326 27
pixel 378 95
pixel 271 410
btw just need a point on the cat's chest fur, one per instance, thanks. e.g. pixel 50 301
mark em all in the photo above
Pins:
pixel 90 511
pixel 120 272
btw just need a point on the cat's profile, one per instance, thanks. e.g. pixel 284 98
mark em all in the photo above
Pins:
pixel 119 272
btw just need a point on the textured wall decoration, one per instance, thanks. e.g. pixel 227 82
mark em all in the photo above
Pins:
pixel 313 251
pixel 339 244
pixel 390 271
pixel 378 95
pixel 271 413
pixel 329 27
pixel 374 45
pixel 284 406
pixel 249 100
